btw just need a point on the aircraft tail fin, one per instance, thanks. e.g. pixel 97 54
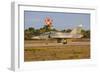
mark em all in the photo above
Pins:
pixel 77 30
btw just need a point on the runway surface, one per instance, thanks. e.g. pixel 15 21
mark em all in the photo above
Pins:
pixel 30 44
pixel 41 51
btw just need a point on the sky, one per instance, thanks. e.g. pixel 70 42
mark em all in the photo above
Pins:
pixel 61 20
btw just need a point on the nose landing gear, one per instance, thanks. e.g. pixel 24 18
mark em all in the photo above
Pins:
pixel 63 41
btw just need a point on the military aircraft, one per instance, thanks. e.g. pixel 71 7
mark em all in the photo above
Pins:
pixel 61 36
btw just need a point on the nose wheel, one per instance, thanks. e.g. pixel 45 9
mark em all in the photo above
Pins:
pixel 63 41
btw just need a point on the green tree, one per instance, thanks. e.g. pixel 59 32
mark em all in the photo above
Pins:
pixel 31 30
pixel 37 32
pixel 68 30
pixel 63 30
pixel 28 33
pixel 53 29
pixel 86 33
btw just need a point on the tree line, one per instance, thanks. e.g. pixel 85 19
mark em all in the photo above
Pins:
pixel 28 33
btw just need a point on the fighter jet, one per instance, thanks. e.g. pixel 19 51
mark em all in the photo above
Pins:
pixel 61 36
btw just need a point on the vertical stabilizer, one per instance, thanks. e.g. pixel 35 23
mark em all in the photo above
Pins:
pixel 77 30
